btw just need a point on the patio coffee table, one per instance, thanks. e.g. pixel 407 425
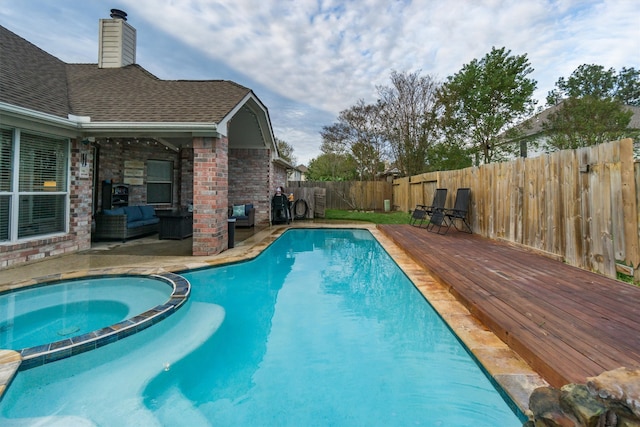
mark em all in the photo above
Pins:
pixel 175 225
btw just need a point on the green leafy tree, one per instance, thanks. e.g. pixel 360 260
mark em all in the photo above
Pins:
pixel 448 156
pixel 484 99
pixel 332 167
pixel 590 107
pixel 629 86
pixel 286 151
pixel 590 80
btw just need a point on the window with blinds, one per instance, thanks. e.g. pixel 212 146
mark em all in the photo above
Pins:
pixel 36 203
pixel 6 144
pixel 43 164
pixel 4 217
pixel 159 181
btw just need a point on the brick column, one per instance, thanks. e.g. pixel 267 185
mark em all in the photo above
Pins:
pixel 81 195
pixel 210 190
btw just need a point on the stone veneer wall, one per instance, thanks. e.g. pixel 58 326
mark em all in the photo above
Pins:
pixel 79 236
pixel 210 192
pixel 249 178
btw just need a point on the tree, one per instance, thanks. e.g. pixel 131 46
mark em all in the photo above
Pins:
pixel 486 98
pixel 590 106
pixel 286 151
pixel 629 86
pixel 408 113
pixel 358 134
pixel 596 82
pixel 331 167
pixel 448 156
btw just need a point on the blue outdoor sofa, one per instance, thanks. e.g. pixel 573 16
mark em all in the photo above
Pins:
pixel 125 222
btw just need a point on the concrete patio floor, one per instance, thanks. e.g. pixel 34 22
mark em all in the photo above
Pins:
pixel 143 251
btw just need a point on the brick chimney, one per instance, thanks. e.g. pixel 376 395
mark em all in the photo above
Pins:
pixel 117 41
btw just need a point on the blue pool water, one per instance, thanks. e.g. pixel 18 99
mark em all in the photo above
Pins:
pixel 45 314
pixel 322 329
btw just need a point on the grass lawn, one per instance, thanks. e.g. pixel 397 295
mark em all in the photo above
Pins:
pixel 374 217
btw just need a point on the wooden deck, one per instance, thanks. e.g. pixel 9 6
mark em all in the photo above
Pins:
pixel 567 323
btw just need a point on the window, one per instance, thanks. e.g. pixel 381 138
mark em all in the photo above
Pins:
pixel 34 197
pixel 6 138
pixel 159 181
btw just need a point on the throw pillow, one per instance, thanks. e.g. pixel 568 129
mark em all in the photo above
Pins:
pixel 238 210
pixel 148 212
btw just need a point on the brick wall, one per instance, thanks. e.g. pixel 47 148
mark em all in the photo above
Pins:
pixel 210 192
pixel 186 177
pixel 279 176
pixel 249 180
pixel 79 236
pixel 114 153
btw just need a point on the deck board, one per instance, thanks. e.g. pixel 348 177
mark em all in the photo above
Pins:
pixel 567 323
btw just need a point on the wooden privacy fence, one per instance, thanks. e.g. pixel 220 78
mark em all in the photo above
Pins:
pixel 581 205
pixel 351 195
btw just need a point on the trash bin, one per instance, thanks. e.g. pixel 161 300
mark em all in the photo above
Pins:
pixel 231 231
pixel 387 205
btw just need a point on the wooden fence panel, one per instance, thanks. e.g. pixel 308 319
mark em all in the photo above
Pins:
pixel 358 195
pixel 633 258
pixel 630 207
pixel 579 204
pixel 320 199
pixel 307 198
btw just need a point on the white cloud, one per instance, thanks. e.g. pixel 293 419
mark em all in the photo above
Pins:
pixel 333 53
pixel 313 58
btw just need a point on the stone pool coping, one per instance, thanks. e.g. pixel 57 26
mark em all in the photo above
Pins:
pixel 504 366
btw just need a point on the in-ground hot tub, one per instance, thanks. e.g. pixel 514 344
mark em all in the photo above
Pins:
pixel 48 323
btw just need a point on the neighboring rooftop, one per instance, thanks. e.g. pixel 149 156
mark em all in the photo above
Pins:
pixel 533 126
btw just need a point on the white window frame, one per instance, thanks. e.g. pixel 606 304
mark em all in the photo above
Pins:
pixel 17 196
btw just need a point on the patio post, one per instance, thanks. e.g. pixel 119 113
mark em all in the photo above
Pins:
pixel 210 192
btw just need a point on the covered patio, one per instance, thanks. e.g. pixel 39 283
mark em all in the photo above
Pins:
pixel 112 135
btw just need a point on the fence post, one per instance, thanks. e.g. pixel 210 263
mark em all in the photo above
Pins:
pixel 630 207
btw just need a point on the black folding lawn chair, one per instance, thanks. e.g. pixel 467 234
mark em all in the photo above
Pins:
pixel 447 217
pixel 418 216
pixel 423 213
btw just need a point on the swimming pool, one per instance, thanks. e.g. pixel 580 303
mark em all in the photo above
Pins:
pixel 321 329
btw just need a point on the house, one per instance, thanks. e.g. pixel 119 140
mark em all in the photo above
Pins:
pixel 71 132
pixel 389 174
pixel 298 173
pixel 532 129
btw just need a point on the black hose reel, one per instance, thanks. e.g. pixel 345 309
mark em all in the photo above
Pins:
pixel 300 209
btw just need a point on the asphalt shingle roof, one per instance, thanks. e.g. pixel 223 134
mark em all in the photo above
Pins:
pixel 32 78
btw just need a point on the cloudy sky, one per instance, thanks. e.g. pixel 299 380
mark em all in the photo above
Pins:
pixel 307 60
